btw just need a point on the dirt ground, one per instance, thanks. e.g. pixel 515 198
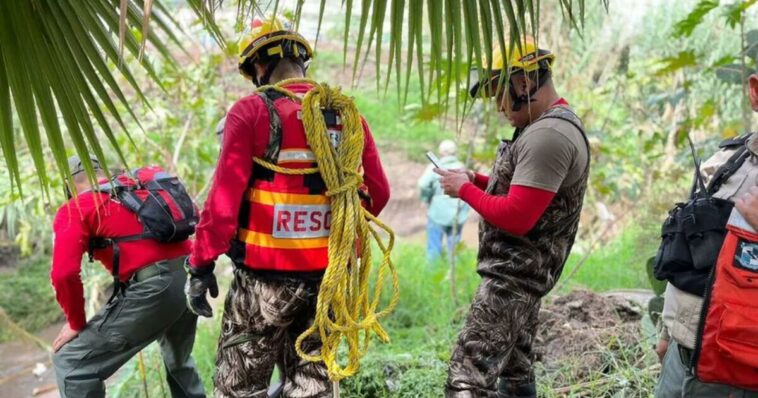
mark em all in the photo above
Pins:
pixel 582 330
pixel 405 213
pixel 25 368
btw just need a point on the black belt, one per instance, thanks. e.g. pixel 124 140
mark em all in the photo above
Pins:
pixel 155 269
pixel 685 354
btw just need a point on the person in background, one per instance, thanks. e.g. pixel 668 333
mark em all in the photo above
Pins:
pixel 445 215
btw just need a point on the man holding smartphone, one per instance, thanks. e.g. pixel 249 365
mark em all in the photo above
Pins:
pixel 530 207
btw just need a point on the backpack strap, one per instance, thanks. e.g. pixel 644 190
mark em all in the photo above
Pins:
pixel 736 141
pixel 728 169
pixel 102 243
pixel 271 154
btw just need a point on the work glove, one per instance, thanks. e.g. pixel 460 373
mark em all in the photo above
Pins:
pixel 200 281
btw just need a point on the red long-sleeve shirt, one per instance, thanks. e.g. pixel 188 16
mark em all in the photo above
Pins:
pixel 244 138
pixel 516 213
pixel 96 215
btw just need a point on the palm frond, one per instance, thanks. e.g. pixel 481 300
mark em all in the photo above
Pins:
pixel 56 75
pixel 56 58
pixel 460 33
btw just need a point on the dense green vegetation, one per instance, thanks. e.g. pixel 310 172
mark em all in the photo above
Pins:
pixel 423 331
pixel 27 297
pixel 642 83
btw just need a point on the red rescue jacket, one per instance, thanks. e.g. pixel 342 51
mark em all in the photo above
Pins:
pixel 727 349
pixel 285 219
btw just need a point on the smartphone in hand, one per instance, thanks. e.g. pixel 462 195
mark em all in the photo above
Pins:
pixel 433 158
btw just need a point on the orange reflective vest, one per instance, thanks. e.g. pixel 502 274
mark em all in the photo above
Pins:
pixel 727 349
pixel 284 219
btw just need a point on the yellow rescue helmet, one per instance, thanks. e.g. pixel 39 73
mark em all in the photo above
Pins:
pixel 271 39
pixel 524 58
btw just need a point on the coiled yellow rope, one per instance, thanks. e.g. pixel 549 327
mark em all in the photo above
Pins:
pixel 347 307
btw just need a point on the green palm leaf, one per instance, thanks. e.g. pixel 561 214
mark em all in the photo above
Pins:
pixel 453 28
pixel 54 67
pixel 57 58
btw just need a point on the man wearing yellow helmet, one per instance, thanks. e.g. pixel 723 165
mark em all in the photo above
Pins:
pixel 272 42
pixel 530 205
pixel 273 225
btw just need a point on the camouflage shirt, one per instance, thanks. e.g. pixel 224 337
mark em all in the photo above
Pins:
pixel 537 258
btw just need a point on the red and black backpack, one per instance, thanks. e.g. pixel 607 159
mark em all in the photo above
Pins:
pixel 162 205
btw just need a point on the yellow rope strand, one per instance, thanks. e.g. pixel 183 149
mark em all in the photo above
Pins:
pixel 347 307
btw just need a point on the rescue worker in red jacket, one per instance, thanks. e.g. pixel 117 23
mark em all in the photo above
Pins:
pixel 274 227
pixel 150 308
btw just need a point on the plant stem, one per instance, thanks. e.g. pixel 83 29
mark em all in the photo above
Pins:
pixel 743 70
pixel 142 372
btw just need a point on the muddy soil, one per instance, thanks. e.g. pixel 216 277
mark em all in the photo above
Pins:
pixel 582 331
pixel 18 360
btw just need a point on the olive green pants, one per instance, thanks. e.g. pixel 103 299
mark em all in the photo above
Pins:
pixel 150 310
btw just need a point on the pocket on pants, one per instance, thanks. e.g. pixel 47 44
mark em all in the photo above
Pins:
pixel 103 343
pixel 281 302
pixel 109 312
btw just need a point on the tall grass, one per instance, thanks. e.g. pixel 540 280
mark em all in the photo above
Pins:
pixel 423 331
pixel 617 264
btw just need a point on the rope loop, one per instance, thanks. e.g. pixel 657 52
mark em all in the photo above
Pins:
pixel 347 310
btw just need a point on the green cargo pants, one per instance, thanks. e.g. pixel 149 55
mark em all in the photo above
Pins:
pixel 149 310
pixel 677 381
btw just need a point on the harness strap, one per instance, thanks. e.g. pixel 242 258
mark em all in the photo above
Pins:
pixel 275 123
pixel 728 169
pixel 725 171
pixel 737 141
pixel 101 243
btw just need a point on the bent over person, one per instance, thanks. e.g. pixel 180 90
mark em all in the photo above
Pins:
pixel 273 225
pixel 148 303
pixel 530 206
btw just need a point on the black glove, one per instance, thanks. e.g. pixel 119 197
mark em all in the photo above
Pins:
pixel 200 281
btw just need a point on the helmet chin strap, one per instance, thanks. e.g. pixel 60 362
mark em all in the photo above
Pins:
pixel 518 101
pixel 266 78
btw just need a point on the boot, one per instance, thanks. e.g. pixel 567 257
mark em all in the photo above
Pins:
pixel 508 390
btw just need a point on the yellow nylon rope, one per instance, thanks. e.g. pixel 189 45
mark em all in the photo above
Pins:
pixel 347 308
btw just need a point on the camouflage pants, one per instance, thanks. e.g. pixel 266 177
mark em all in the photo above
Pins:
pixel 496 342
pixel 262 319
